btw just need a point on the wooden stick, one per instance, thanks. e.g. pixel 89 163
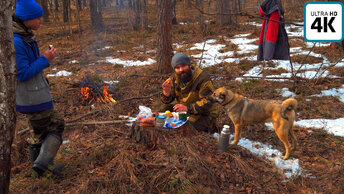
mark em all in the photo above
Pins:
pixel 82 116
pixel 96 123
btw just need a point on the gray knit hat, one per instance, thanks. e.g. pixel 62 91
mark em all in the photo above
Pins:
pixel 180 58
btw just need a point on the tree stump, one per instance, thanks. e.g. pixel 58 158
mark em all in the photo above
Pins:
pixel 153 136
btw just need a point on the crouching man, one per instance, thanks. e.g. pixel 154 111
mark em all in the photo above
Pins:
pixel 187 90
pixel 32 93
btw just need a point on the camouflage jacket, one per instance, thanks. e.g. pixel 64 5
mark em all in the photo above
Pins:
pixel 193 95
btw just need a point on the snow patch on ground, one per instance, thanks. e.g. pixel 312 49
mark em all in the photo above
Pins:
pixel 289 167
pixel 334 92
pixel 286 93
pixel 60 73
pixel 129 62
pixel 333 126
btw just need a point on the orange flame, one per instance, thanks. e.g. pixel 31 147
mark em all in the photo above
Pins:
pixel 107 96
pixel 85 93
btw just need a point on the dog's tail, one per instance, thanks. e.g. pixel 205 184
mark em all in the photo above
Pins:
pixel 288 105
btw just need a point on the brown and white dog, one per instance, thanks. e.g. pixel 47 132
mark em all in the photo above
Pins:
pixel 245 111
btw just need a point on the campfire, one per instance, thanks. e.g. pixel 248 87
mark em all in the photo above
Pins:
pixel 95 92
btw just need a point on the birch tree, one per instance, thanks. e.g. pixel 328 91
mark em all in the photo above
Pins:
pixel 7 93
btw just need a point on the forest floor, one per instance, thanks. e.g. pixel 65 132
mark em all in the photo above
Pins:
pixel 102 158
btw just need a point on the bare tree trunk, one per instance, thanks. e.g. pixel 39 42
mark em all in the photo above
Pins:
pixel 138 14
pixel 96 15
pixel 44 4
pixel 236 8
pixel 8 79
pixel 198 2
pixel 174 16
pixel 79 4
pixel 164 36
pixel 145 6
pixel 50 5
pixel 188 2
pixel 70 18
pixel 66 9
pixel 223 10
pixel 200 5
pixel 121 3
pixel 56 5
pixel 130 4
pixel 78 7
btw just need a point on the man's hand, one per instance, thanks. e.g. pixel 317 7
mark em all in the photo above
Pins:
pixel 180 108
pixel 167 87
pixel 50 54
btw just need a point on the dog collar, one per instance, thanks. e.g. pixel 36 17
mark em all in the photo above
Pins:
pixel 245 98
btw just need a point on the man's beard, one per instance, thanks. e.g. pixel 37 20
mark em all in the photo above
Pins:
pixel 185 76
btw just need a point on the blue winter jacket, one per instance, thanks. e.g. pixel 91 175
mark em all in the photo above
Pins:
pixel 29 61
pixel 32 93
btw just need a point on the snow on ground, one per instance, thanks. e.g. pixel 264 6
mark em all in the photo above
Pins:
pixel 244 44
pixel 105 48
pixel 253 24
pixel 60 73
pixel 286 93
pixel 334 127
pixel 111 82
pixel 73 61
pixel 311 44
pixel 339 93
pixel 211 54
pixel 129 62
pixel 289 167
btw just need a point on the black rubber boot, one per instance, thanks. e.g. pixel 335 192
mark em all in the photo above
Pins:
pixel 49 148
pixel 57 171
pixel 34 152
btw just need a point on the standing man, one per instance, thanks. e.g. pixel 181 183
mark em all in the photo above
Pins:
pixel 187 90
pixel 33 94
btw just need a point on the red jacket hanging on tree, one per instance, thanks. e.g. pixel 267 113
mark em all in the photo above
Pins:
pixel 273 39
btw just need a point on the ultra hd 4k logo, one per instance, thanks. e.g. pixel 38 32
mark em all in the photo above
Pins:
pixel 323 21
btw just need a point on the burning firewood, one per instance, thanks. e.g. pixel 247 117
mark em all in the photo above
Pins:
pixel 95 91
